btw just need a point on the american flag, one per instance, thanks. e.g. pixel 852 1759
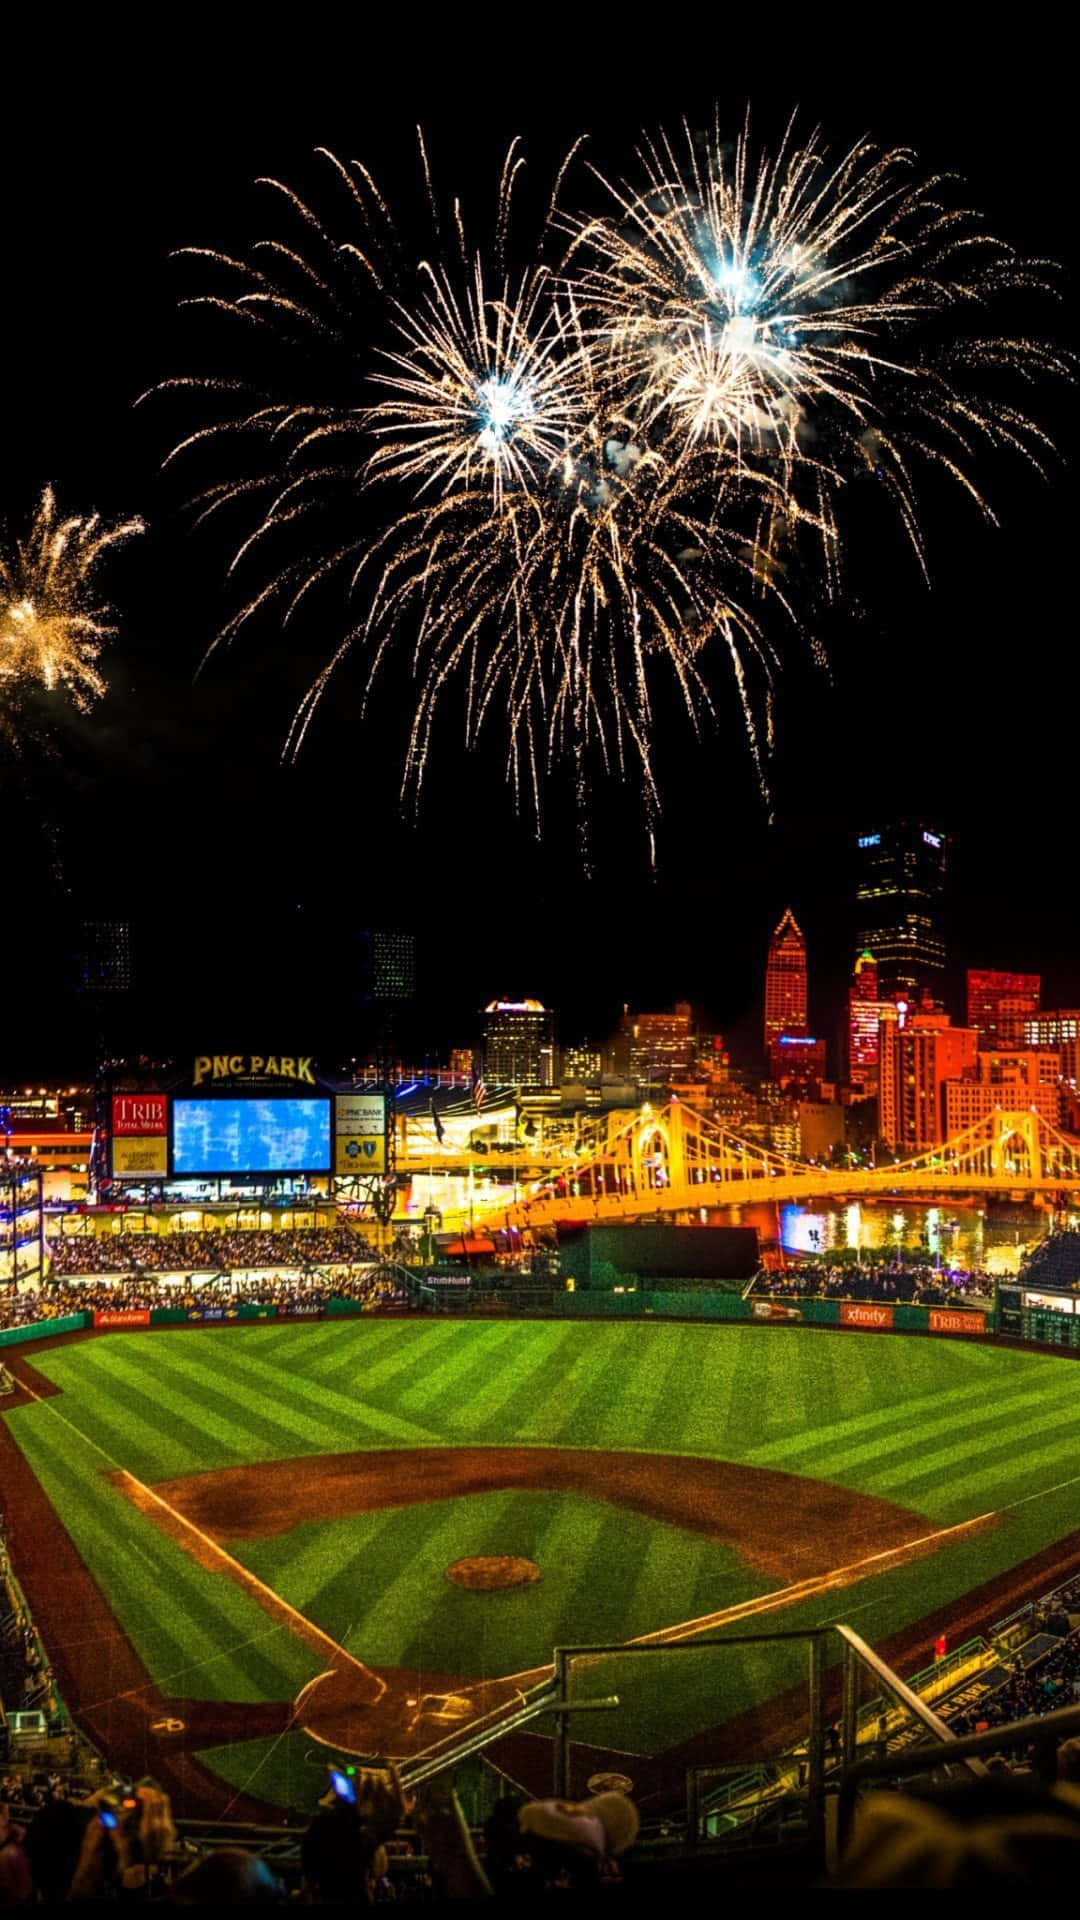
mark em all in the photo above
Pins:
pixel 479 1092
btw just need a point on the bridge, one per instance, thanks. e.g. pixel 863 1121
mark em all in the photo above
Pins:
pixel 675 1161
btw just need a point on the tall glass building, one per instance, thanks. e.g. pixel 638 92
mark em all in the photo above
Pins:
pixel 899 895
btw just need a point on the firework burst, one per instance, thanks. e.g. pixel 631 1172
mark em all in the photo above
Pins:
pixel 53 623
pixel 812 317
pixel 549 487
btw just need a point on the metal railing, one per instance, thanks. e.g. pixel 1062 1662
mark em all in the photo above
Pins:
pixel 1043 1733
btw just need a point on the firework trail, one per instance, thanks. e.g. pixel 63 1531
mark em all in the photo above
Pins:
pixel 548 488
pixel 53 623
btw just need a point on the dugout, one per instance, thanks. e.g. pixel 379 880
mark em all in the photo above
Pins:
pixel 603 1257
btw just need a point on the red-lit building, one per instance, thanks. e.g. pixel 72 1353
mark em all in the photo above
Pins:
pixel 1061 1031
pixel 785 983
pixel 797 1057
pixel 919 1054
pixel 864 1021
pixel 1016 1078
pixel 999 1003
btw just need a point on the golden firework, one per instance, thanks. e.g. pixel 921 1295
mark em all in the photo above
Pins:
pixel 52 622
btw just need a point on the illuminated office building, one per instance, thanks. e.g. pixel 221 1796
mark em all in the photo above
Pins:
pixel 998 1004
pixel 796 1056
pixel 1061 1031
pixel 1015 1078
pixel 519 1044
pixel 659 1047
pixel 919 1053
pixel 389 965
pixel 864 1020
pixel 899 891
pixel 785 982
pixel 104 957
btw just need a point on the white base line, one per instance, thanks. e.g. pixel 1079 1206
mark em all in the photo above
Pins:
pixel 263 1595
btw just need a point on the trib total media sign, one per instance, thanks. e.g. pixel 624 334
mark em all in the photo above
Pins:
pixel 139 1130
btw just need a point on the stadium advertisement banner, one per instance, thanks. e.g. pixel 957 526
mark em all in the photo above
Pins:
pixel 865 1313
pixel 210 1314
pixel 141 1114
pixel 122 1317
pixel 300 1310
pixel 944 1320
pixel 360 1133
pixel 139 1155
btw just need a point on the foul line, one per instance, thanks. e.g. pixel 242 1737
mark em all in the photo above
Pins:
pixel 272 1603
pixel 280 1611
pixel 807 1589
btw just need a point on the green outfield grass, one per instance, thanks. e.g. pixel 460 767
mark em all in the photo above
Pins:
pixel 945 1428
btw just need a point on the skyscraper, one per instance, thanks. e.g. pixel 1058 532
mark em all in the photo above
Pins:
pixel 389 964
pixel 864 1019
pixel 899 890
pixel 999 1003
pixel 519 1044
pixel 661 1045
pixel 920 1053
pixel 785 982
pixel 104 957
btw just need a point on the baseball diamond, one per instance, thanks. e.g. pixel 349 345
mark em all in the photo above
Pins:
pixel 245 1542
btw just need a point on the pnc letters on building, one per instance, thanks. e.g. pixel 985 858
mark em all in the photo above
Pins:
pixel 254 1066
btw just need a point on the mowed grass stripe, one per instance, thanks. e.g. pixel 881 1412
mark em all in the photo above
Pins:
pixel 499 1410
pixel 960 1426
pixel 555 1411
pixel 194 1631
pixel 260 1425
pixel 642 1384
pixel 417 1351
pixel 857 1426
pixel 450 1380
pixel 190 1367
pixel 1003 1472
pixel 313 1412
pixel 161 1438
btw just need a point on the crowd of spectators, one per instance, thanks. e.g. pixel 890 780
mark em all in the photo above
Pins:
pixel 907 1285
pixel 225 1250
pixel 1054 1262
pixel 370 1286
pixel 383 1845
pixel 26 1678
pixel 1051 1681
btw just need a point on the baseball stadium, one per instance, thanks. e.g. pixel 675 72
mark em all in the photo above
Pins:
pixel 306 1492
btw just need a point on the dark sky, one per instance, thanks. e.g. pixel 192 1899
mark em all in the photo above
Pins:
pixel 247 882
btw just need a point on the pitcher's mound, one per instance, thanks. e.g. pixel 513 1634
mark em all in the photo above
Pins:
pixel 492 1572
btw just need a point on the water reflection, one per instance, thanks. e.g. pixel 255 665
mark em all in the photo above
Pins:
pixel 992 1239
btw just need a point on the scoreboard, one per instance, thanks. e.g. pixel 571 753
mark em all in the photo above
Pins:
pixel 1051 1328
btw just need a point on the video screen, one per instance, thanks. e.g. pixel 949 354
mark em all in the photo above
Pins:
pixel 250 1136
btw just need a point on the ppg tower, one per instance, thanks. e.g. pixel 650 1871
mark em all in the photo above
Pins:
pixel 899 893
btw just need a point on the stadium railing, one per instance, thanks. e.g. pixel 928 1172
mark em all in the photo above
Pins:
pixel 1018 1736
pixel 756 1803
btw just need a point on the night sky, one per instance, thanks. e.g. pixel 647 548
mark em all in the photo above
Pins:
pixel 246 882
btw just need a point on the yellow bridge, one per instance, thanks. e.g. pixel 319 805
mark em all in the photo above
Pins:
pixel 675 1161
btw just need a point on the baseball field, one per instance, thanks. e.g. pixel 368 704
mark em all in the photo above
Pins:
pixel 249 1549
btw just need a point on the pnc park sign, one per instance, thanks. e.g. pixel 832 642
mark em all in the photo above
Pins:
pixel 254 1066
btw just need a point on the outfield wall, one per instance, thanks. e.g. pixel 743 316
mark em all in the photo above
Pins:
pixel 699 1304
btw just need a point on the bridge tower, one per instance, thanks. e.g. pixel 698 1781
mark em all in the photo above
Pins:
pixel 1016 1145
